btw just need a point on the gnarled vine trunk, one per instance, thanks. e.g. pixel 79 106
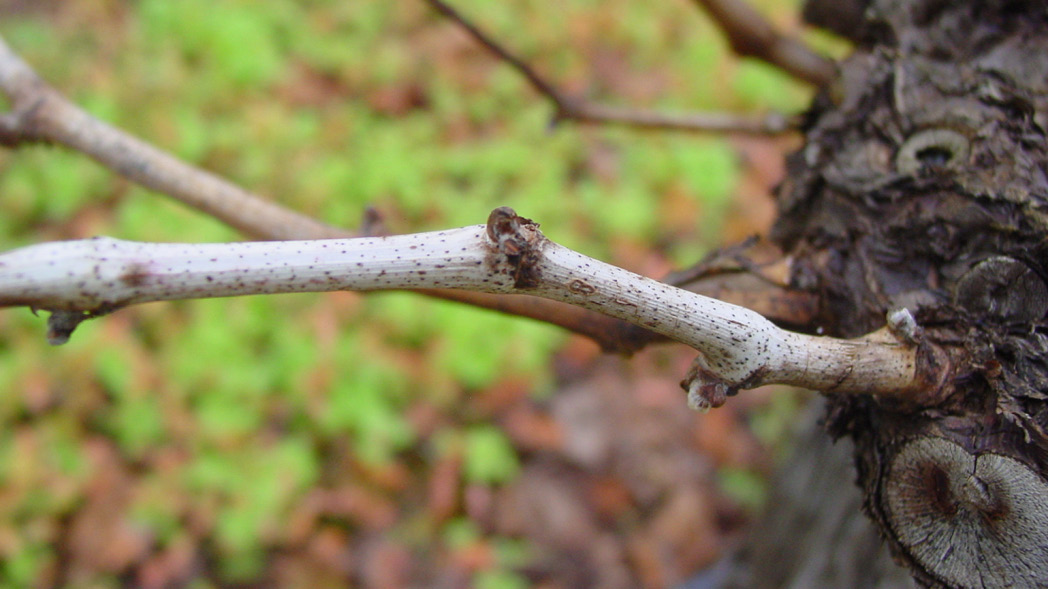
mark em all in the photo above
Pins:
pixel 924 185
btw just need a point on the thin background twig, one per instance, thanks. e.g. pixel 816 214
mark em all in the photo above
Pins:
pixel 751 35
pixel 573 109
pixel 40 114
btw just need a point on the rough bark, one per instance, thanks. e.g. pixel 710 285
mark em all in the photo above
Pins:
pixel 924 185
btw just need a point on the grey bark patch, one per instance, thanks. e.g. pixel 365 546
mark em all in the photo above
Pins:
pixel 1005 288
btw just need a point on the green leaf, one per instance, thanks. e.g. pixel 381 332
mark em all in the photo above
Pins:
pixel 367 408
pixel 137 425
pixel 745 486
pixel 758 84
pixel 490 458
pixel 223 416
pixel 500 579
pixel 460 532
pixel 21 568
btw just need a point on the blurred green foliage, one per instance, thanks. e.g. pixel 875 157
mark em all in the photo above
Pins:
pixel 232 409
pixel 746 487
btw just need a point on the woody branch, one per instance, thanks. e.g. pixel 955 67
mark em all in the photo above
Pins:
pixel 738 347
pixel 41 114
pixel 570 108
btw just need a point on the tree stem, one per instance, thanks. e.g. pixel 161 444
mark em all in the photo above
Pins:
pixel 739 348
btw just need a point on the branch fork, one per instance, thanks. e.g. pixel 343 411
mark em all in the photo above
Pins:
pixel 738 347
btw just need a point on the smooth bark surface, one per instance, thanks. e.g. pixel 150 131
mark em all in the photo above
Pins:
pixel 738 347
pixel 40 114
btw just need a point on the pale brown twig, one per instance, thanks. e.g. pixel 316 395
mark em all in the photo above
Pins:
pixel 844 17
pixel 574 109
pixel 39 113
pixel 751 35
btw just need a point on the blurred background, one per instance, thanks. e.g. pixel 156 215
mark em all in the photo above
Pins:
pixel 385 440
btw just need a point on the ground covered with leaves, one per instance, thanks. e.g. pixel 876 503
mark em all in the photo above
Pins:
pixel 388 440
